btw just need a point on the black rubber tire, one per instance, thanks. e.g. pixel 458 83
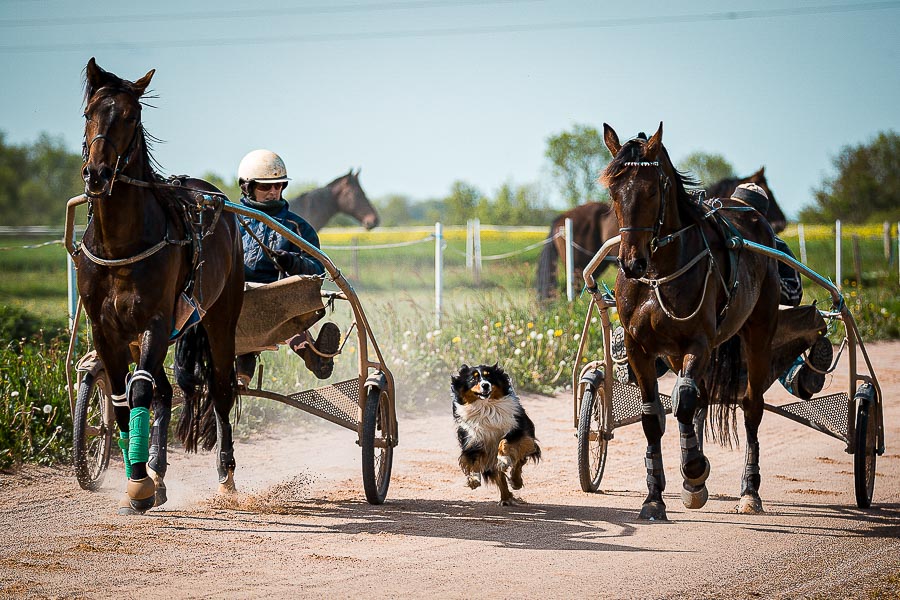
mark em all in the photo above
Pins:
pixel 592 438
pixel 864 456
pixel 91 436
pixel 376 462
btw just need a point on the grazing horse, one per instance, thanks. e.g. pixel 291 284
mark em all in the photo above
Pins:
pixel 156 249
pixel 343 195
pixel 683 294
pixel 595 222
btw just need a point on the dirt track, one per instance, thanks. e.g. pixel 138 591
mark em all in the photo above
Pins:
pixel 302 527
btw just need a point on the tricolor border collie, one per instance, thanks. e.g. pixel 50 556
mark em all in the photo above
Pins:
pixel 496 437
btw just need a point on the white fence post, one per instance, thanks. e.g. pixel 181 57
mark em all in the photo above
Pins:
pixel 837 254
pixel 438 271
pixel 470 245
pixel 802 235
pixel 570 263
pixel 886 236
pixel 476 250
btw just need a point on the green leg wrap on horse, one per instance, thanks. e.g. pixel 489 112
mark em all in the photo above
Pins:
pixel 123 444
pixel 139 435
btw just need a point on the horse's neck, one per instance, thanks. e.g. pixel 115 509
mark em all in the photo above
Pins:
pixel 316 206
pixel 129 219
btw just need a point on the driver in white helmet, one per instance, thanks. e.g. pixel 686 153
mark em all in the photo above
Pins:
pixel 263 177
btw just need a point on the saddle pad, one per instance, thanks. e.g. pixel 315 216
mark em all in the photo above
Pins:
pixel 274 312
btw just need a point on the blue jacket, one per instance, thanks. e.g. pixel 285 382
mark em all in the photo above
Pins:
pixel 258 267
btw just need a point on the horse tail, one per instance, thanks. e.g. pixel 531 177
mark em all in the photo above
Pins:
pixel 546 273
pixel 725 389
pixel 193 371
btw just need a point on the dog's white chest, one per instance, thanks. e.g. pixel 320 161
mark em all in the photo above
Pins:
pixel 488 420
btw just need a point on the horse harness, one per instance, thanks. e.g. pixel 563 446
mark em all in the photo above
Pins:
pixel 191 214
pixel 731 235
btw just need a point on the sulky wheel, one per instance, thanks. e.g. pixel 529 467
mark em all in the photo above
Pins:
pixel 377 446
pixel 864 445
pixel 593 436
pixel 91 433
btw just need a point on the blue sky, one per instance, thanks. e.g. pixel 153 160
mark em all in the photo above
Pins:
pixel 420 93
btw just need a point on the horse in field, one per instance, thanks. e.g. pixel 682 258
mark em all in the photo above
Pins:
pixel 154 247
pixel 686 292
pixel 343 195
pixel 595 222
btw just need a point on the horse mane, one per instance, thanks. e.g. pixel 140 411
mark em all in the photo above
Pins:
pixel 115 85
pixel 633 151
pixel 725 186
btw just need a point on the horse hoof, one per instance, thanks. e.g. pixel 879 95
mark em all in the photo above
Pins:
pixel 694 499
pixel 141 494
pixel 697 481
pixel 750 505
pixel 653 511
pixel 124 508
pixel 226 486
pixel 159 482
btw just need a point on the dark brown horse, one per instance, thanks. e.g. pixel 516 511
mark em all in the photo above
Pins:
pixel 595 222
pixel 683 295
pixel 343 195
pixel 150 242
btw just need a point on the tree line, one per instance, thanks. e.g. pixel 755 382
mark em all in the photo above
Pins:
pixel 36 179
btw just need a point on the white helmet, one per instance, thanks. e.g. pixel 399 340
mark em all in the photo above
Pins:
pixel 262 166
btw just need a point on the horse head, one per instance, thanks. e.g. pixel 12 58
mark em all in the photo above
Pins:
pixel 638 179
pixel 351 199
pixel 112 129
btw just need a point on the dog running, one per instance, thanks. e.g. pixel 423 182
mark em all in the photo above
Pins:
pixel 496 437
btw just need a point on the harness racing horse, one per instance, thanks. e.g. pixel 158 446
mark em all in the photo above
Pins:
pixel 595 222
pixel 681 294
pixel 152 245
pixel 343 195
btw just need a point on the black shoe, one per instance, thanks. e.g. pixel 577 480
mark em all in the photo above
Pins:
pixel 811 376
pixel 327 343
pixel 245 365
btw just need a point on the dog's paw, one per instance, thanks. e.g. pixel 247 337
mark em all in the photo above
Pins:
pixel 473 481
pixel 516 483
pixel 511 501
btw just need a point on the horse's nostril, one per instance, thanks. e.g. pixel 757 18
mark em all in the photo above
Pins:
pixel 85 174
pixel 106 173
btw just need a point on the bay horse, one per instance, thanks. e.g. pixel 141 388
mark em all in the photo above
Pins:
pixel 595 222
pixel 343 195
pixel 684 295
pixel 152 245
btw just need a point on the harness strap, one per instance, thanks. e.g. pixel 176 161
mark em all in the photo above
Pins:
pixel 118 262
pixel 120 400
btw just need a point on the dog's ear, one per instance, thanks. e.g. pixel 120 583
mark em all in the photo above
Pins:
pixel 464 368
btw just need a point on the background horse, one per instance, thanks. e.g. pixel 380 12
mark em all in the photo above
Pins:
pixel 595 222
pixel 343 195
pixel 148 244
pixel 683 295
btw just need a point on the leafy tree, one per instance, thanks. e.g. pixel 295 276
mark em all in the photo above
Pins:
pixel 230 187
pixel 578 156
pixel 460 204
pixel 708 168
pixel 866 187
pixel 36 181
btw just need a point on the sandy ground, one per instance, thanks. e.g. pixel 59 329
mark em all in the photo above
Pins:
pixel 301 526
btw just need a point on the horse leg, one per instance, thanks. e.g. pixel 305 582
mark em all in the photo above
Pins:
pixel 115 363
pixel 685 406
pixel 653 421
pixel 159 435
pixel 758 368
pixel 223 388
pixel 141 387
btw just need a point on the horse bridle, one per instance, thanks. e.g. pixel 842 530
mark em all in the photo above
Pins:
pixel 664 192
pixel 117 171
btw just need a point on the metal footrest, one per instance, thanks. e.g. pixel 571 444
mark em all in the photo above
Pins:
pixel 338 402
pixel 626 404
pixel 827 414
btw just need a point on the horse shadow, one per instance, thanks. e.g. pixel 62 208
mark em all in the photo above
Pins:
pixel 523 526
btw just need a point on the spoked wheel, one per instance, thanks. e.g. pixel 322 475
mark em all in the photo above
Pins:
pixel 593 437
pixel 377 448
pixel 92 434
pixel 866 440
